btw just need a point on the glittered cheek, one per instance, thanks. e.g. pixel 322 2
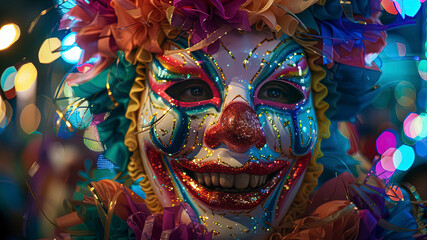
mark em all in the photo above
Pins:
pixel 305 132
pixel 278 131
pixel 161 123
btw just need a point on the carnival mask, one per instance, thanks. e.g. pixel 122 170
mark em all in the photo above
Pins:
pixel 229 133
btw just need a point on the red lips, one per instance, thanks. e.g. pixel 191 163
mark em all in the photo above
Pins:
pixel 256 168
pixel 225 200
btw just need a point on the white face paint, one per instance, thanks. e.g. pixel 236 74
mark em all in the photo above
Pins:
pixel 231 133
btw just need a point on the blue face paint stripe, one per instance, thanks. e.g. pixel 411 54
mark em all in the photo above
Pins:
pixel 272 203
pixel 179 133
pixel 162 73
pixel 181 188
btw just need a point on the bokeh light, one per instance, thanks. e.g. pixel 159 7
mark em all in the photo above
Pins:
pixel 48 51
pixel 382 173
pixel 8 82
pixel 387 160
pixel 403 157
pixel 421 148
pixel 3 118
pixel 402 112
pixel 407 7
pixel 386 140
pixel 71 52
pixel 26 76
pixel 412 125
pixel 30 118
pixel 423 118
pixel 9 112
pixel 405 93
pixel 395 50
pixel 415 126
pixel 388 5
pixel 422 69
pixel 9 34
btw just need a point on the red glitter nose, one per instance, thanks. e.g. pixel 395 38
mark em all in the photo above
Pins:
pixel 238 127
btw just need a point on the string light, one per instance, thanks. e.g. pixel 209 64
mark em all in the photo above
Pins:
pixel 9 34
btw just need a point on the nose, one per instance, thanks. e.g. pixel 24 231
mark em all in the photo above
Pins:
pixel 238 128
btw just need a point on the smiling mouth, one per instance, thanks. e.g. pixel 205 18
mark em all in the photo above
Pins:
pixel 224 187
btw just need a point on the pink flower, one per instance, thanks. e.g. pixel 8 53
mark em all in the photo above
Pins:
pixel 204 17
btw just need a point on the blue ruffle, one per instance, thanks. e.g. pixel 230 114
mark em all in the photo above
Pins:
pixel 112 130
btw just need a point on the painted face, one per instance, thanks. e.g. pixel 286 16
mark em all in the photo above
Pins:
pixel 230 133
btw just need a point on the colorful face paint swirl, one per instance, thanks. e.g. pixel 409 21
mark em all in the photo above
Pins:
pixel 229 133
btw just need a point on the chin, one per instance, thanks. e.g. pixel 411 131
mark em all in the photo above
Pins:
pixel 245 202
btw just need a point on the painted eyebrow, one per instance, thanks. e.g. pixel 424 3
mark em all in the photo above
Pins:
pixel 279 57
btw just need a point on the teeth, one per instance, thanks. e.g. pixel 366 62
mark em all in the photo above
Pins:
pixel 262 180
pixel 200 178
pixel 254 181
pixel 208 179
pixel 215 179
pixel 241 181
pixel 226 180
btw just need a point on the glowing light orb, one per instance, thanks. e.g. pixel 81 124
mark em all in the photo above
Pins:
pixel 411 7
pixel 422 69
pixel 2 110
pixel 30 118
pixel 413 126
pixel 395 50
pixel 407 7
pixel 72 52
pixel 26 76
pixel 388 5
pixel 9 34
pixel 47 52
pixel 8 82
pixel 405 93
pixel 421 148
pixel 387 160
pixel 385 140
pixel 9 112
pixel 3 124
pixel 404 158
pixel 6 112
pixel 382 173
pixel 423 118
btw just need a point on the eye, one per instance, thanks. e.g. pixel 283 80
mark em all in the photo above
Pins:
pixel 193 90
pixel 280 92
